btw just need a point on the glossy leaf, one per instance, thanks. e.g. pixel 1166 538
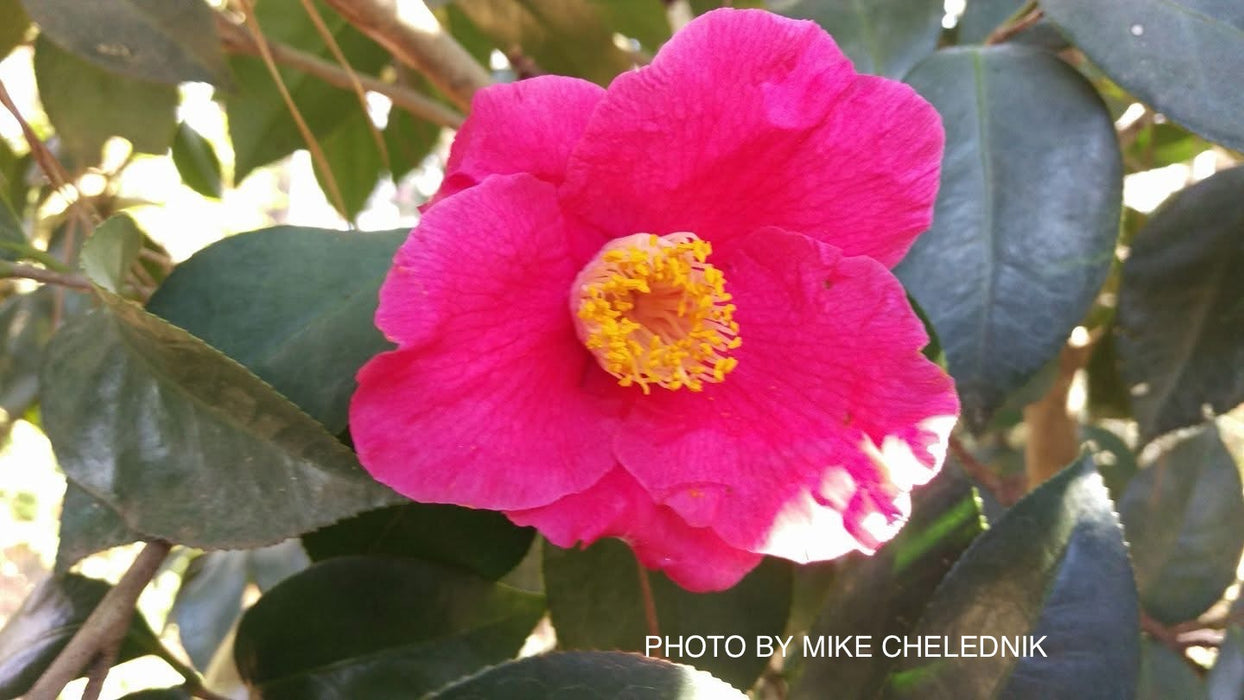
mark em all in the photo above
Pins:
pixel 1025 221
pixel 355 162
pixel 567 37
pixel 1184 518
pixel 409 141
pixel 1226 679
pixel 1054 566
pixel 1179 56
pixel 884 594
pixel 294 305
pixel 607 674
pixel 1180 320
pixel 25 328
pixel 482 542
pixel 378 627
pixel 1164 675
pixel 88 525
pixel 595 603
pixel 196 162
pixel 169 41
pixel 45 623
pixel 881 37
pixel 194 448
pixel 259 120
pixel 87 104
pixel 109 252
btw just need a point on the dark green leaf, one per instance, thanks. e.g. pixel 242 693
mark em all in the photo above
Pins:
pixel 1164 675
pixel 483 542
pixel 1025 222
pixel 1115 460
pixel 645 21
pixel 1179 56
pixel 109 252
pixel 259 121
pixel 25 328
pixel 12 239
pixel 1184 518
pixel 192 447
pixel 1226 678
pixel 1108 396
pixel 1181 318
pixel 294 305
pixel 884 594
pixel 53 613
pixel 882 37
pixel 169 41
pixel 595 602
pixel 196 162
pixel 355 162
pixel 1159 145
pixel 177 693
pixel 607 674
pixel 87 104
pixel 363 627
pixel 13 184
pixel 1054 566
pixel 13 25
pixel 567 37
pixel 88 525
pixel 409 141
pixel 208 602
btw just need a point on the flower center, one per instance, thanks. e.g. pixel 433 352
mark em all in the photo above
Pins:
pixel 654 311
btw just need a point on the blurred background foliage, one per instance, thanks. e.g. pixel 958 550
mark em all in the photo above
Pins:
pixel 1082 278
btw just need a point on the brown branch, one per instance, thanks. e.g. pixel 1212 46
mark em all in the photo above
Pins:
pixel 650 604
pixel 238 40
pixel 105 626
pixel 409 30
pixel 1006 490
pixel 1027 16
pixel 1053 434
pixel 39 274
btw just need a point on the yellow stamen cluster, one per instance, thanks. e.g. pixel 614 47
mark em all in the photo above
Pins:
pixel 654 311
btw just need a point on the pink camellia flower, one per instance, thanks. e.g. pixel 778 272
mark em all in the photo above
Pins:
pixel 663 312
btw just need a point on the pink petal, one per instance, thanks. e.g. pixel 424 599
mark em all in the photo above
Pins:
pixel 617 506
pixel 747 119
pixel 489 400
pixel 525 127
pixel 809 448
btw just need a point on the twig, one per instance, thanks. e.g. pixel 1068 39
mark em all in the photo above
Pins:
pixel 317 153
pixel 1027 16
pixel 1053 433
pixel 409 30
pixel 106 625
pixel 39 274
pixel 238 40
pixel 1007 491
pixel 650 604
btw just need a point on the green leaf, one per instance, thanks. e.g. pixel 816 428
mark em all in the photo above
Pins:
pixel 12 239
pixel 355 162
pixel 175 693
pixel 362 627
pixel 13 25
pixel 196 162
pixel 25 328
pixel 259 121
pixel 482 542
pixel 881 37
pixel 1164 675
pixel 1226 678
pixel 884 594
pixel 1054 566
pixel 87 104
pixel 409 141
pixel 168 41
pixel 1180 318
pixel 293 305
pixel 607 674
pixel 595 603
pixel 645 21
pixel 191 447
pixel 88 525
pixel 1025 221
pixel 109 252
pixel 1184 518
pixel 1159 145
pixel 45 623
pixel 1115 460
pixel 13 185
pixel 1179 56
pixel 566 37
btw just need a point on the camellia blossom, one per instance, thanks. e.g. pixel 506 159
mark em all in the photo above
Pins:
pixel 663 311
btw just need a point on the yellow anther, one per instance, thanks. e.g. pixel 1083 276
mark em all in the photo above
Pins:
pixel 654 312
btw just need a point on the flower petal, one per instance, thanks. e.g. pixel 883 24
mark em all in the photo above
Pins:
pixel 808 449
pixel 525 127
pixel 489 400
pixel 617 506
pixel 747 119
